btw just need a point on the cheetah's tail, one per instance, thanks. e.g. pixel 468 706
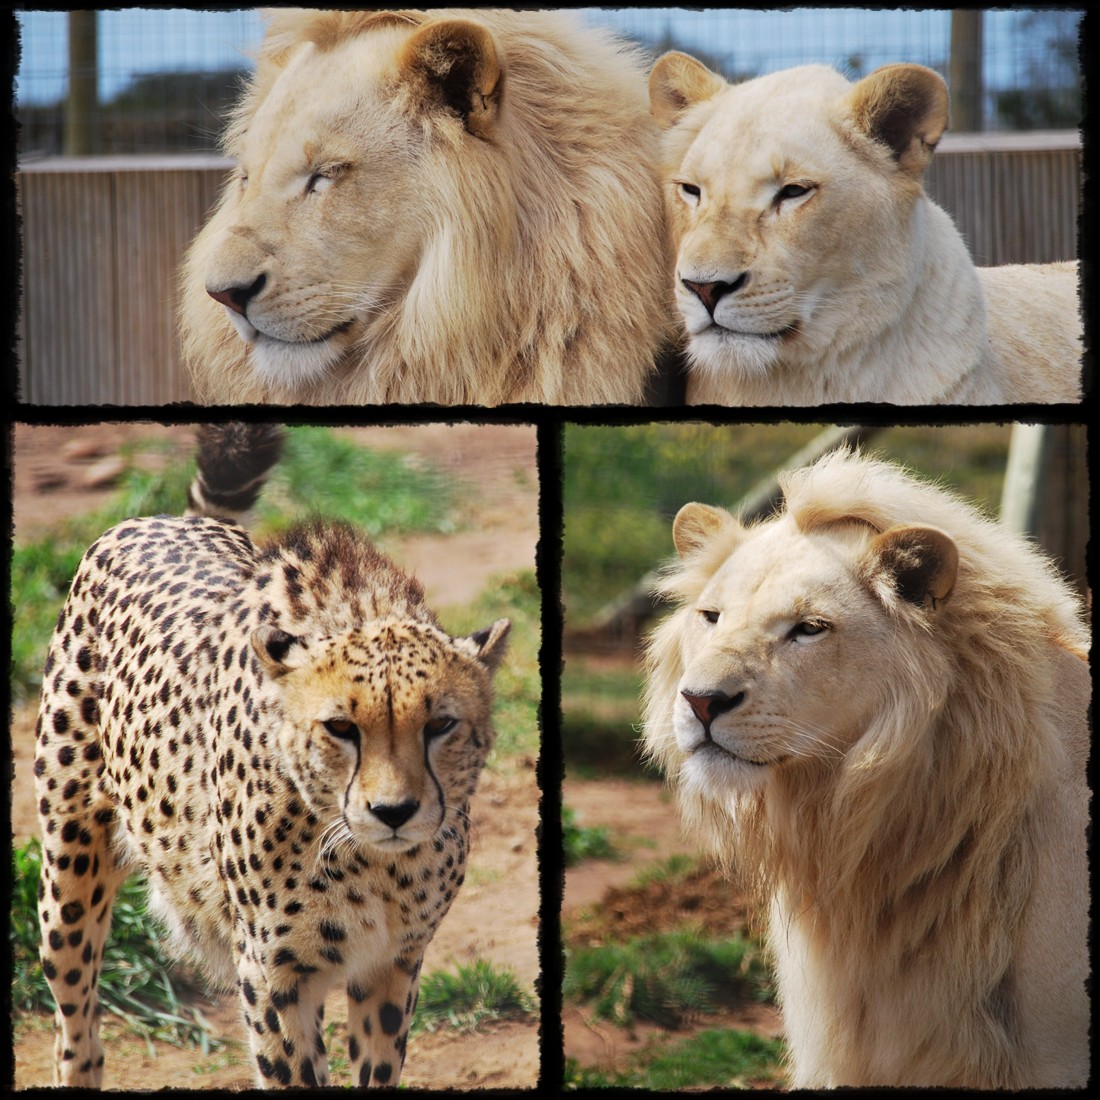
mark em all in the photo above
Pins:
pixel 234 460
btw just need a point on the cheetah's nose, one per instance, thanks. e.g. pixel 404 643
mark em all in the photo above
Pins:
pixel 396 815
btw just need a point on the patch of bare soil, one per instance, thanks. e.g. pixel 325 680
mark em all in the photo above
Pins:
pixel 59 471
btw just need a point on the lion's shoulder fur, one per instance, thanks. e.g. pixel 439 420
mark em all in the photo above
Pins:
pixel 916 881
pixel 516 290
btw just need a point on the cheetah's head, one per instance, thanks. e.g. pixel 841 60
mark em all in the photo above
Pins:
pixel 384 729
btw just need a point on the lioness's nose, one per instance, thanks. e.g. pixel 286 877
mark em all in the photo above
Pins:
pixel 237 298
pixel 710 294
pixel 710 704
pixel 395 815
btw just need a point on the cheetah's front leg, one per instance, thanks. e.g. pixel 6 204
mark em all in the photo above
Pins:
pixel 284 1029
pixel 379 1015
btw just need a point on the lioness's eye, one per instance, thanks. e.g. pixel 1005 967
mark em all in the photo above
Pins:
pixel 808 628
pixel 792 191
pixel 342 728
pixel 690 192
pixel 437 727
pixel 709 615
pixel 318 183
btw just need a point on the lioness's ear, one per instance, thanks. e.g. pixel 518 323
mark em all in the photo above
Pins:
pixel 456 66
pixel 678 82
pixel 488 645
pixel 921 562
pixel 279 652
pixel 906 108
pixel 696 524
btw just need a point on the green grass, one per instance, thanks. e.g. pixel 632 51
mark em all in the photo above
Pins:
pixel 667 978
pixel 601 712
pixel 380 492
pixel 470 996
pixel 671 870
pixel 581 842
pixel 518 683
pixel 713 1058
pixel 137 983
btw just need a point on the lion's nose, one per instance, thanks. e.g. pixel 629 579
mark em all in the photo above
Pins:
pixel 710 704
pixel 237 298
pixel 397 814
pixel 710 294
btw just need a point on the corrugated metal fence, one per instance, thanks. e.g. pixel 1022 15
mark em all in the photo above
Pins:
pixel 103 239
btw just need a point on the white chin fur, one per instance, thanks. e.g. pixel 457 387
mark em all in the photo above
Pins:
pixel 293 366
pixel 717 352
pixel 720 778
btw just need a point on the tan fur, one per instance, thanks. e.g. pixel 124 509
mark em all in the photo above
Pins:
pixel 453 206
pixel 897 762
pixel 860 288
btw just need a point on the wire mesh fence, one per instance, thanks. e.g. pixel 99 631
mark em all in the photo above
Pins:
pixel 161 80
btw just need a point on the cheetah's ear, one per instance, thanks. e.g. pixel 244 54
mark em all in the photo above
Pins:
pixel 488 645
pixel 279 652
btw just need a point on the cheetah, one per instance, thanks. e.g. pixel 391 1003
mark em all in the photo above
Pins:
pixel 285 741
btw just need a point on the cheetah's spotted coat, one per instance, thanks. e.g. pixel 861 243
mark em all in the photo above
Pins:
pixel 285 742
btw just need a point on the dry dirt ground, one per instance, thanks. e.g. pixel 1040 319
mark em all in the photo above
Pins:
pixel 62 470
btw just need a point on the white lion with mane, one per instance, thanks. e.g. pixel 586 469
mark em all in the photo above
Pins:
pixel 451 206
pixel 811 266
pixel 874 706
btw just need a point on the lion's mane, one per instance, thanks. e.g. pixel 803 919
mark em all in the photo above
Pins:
pixel 930 833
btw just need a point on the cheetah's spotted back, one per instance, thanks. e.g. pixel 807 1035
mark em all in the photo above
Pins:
pixel 285 741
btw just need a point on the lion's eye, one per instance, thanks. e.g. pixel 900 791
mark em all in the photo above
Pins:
pixel 808 628
pixel 318 184
pixel 792 191
pixel 709 615
pixel 437 727
pixel 690 193
pixel 342 728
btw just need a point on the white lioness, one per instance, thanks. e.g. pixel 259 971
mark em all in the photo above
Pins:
pixel 445 206
pixel 874 705
pixel 813 268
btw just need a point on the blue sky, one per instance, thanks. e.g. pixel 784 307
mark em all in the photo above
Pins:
pixel 141 40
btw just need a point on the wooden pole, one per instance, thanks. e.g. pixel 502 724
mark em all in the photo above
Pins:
pixel 81 121
pixel 964 76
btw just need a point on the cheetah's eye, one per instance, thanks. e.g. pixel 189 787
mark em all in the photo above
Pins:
pixel 437 727
pixel 342 728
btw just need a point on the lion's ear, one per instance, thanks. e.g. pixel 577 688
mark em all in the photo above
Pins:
pixel 456 66
pixel 696 524
pixel 678 82
pixel 921 562
pixel 906 108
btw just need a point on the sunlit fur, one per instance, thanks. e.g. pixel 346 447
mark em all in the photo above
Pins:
pixel 520 262
pixel 926 876
pixel 862 286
